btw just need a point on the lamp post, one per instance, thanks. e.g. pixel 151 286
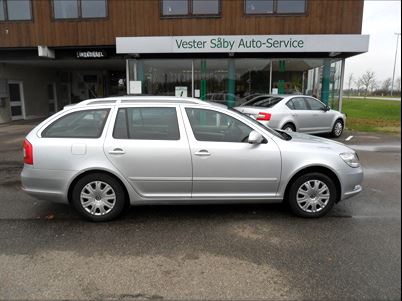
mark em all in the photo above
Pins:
pixel 396 54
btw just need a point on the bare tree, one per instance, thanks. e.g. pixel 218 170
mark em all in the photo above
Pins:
pixel 368 81
pixel 350 81
pixel 398 84
pixel 386 85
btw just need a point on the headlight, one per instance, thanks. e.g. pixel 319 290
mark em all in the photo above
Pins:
pixel 350 159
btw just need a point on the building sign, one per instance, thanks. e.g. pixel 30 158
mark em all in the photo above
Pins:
pixel 91 54
pixel 257 43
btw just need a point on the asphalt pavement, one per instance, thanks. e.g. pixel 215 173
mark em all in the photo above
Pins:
pixel 222 252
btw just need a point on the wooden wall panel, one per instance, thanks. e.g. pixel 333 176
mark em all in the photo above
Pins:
pixel 142 18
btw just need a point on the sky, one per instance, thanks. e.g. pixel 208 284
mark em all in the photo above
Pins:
pixel 381 20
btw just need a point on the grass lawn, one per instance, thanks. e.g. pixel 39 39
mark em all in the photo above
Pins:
pixel 372 115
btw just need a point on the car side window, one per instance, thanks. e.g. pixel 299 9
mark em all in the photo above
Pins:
pixel 290 105
pixel 79 124
pixel 314 104
pixel 209 125
pixel 299 103
pixel 146 124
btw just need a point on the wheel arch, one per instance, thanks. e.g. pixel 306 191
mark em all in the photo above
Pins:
pixel 288 121
pixel 317 169
pixel 92 171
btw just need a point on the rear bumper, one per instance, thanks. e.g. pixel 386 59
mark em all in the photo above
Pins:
pixel 51 185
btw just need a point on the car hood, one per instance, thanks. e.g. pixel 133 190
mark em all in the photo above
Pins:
pixel 311 141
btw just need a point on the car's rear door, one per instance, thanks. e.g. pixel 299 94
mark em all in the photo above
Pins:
pixel 300 113
pixel 148 145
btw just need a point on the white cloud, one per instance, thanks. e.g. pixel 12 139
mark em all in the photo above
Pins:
pixel 381 20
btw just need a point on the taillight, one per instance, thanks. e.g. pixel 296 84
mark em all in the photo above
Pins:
pixel 28 152
pixel 264 116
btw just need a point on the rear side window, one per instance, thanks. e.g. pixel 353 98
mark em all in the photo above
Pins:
pixel 147 124
pixel 297 103
pixel 79 124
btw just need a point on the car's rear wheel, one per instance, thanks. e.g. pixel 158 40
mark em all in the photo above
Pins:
pixel 289 127
pixel 337 129
pixel 98 197
pixel 312 195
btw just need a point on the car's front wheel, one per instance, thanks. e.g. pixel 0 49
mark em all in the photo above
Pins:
pixel 312 195
pixel 98 197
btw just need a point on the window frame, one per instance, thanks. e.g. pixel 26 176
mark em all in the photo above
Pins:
pixel 190 13
pixel 275 11
pixel 46 128
pixel 79 11
pixel 186 108
pixel 296 98
pixel 126 108
pixel 6 19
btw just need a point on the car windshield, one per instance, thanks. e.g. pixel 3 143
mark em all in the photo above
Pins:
pixel 280 134
pixel 266 102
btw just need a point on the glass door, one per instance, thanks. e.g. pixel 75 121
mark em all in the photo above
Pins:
pixel 16 100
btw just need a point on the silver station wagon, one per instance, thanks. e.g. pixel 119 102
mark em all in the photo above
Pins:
pixel 103 154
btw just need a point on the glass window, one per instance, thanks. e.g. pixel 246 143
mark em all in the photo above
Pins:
pixel 314 104
pixel 174 7
pixel 275 6
pixel 208 125
pixel 65 9
pixel 80 124
pixel 17 10
pixel 75 9
pixel 291 6
pixel 147 124
pixel 299 103
pixel 93 8
pixel 205 7
pixel 2 15
pixel 259 6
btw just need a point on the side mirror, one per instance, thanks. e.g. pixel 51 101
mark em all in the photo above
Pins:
pixel 255 138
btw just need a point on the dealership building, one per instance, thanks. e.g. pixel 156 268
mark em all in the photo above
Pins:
pixel 58 52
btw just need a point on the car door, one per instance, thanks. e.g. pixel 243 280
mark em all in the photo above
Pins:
pixel 148 145
pixel 300 113
pixel 225 165
pixel 321 119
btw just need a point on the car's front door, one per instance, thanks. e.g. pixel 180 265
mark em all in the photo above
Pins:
pixel 225 165
pixel 148 145
pixel 321 119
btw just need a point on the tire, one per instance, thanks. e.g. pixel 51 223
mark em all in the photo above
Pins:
pixel 337 129
pixel 289 127
pixel 98 197
pixel 309 205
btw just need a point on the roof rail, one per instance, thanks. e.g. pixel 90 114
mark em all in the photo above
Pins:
pixel 142 98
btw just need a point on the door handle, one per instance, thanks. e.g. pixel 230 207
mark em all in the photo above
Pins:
pixel 203 153
pixel 117 151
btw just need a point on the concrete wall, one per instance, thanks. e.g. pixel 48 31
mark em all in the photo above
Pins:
pixel 35 81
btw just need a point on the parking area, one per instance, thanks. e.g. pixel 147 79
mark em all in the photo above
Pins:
pixel 205 252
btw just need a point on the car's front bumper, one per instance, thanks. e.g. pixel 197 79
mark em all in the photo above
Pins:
pixel 351 181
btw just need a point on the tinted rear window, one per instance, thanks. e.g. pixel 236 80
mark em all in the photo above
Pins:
pixel 79 124
pixel 265 102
